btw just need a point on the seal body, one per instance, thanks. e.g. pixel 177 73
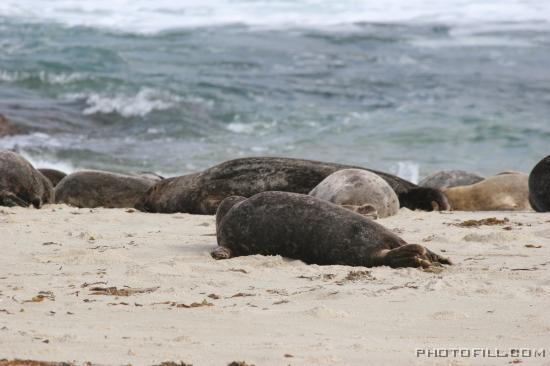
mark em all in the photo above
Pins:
pixel 101 189
pixel 201 193
pixel 314 231
pixel 503 192
pixel 21 184
pixel 225 206
pixel 176 194
pixel 356 189
pixel 53 175
pixel 539 186
pixel 449 179
pixel 7 128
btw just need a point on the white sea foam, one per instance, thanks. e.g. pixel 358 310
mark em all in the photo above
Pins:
pixel 43 76
pixel 23 143
pixel 49 162
pixel 148 16
pixel 140 104
pixel 408 170
pixel 240 127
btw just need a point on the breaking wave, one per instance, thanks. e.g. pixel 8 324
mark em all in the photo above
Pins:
pixel 138 105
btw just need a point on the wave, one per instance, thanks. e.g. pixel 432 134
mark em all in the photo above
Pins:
pixel 408 170
pixel 147 16
pixel 38 149
pixel 41 76
pixel 138 105
pixel 49 162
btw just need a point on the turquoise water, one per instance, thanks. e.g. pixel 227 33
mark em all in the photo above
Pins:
pixel 409 96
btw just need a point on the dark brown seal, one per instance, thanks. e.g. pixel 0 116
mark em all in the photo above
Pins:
pixel 201 193
pixel 53 175
pixel 93 188
pixel 21 184
pixel 315 231
pixel 539 186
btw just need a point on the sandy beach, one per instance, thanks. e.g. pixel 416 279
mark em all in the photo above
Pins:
pixel 114 286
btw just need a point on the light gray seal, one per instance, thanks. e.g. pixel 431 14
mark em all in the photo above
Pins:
pixel 449 179
pixel 21 184
pixel 315 231
pixel 360 191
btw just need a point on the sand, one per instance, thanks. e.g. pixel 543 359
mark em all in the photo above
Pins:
pixel 263 310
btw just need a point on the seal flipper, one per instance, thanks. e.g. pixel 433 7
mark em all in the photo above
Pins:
pixel 36 202
pixel 412 255
pixel 221 253
pixel 367 210
pixel 10 200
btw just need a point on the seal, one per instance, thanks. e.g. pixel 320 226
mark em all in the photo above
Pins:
pixel 315 231
pixel 147 175
pixel 8 129
pixel 21 184
pixel 539 186
pixel 53 175
pixel 93 188
pixel 225 206
pixel 449 179
pixel 176 194
pixel 201 193
pixel 360 191
pixel 502 192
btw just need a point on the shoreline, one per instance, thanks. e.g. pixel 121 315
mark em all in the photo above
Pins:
pixel 185 306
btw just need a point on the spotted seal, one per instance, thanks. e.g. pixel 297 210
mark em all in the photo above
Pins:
pixel 201 193
pixel 53 175
pixel 21 184
pixel 312 230
pixel 359 190
pixel 93 188
pixel 449 179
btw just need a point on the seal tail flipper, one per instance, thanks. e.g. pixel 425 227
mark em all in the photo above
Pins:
pixel 436 258
pixel 9 199
pixel 221 253
pixel 413 255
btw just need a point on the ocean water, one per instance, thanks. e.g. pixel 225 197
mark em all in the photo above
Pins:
pixel 406 86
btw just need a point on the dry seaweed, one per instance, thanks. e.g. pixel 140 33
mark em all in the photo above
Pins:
pixel 237 270
pixel 41 296
pixel 195 305
pixel 18 362
pixel 182 305
pixel 324 277
pixel 126 291
pixel 358 276
pixel 281 302
pixel 242 294
pixel 488 221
